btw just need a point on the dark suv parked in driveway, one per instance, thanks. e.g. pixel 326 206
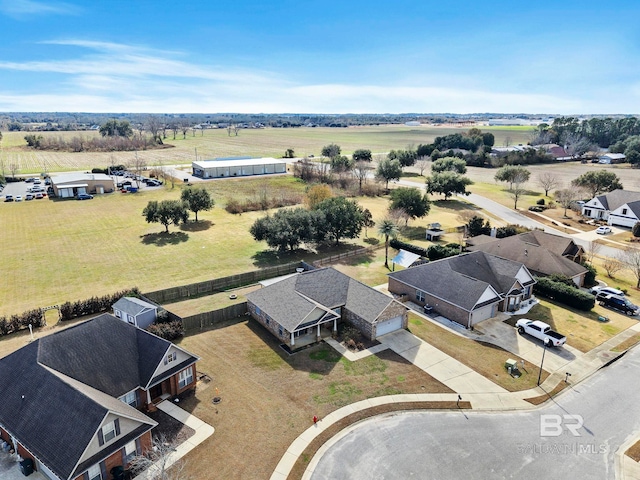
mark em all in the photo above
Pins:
pixel 617 302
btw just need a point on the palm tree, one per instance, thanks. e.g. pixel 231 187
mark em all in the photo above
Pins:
pixel 388 228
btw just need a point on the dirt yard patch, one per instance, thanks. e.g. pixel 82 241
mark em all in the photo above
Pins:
pixel 269 398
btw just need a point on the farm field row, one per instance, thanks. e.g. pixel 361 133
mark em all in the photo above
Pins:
pixel 268 142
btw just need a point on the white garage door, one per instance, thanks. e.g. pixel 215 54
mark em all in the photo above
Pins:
pixel 46 472
pixel 389 326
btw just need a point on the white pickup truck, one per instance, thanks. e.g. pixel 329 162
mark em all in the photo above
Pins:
pixel 540 330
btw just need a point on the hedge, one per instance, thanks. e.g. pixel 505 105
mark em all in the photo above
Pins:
pixel 89 306
pixel 570 296
pixel 167 330
pixel 15 323
pixel 397 244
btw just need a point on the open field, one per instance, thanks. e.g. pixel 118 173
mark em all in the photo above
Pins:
pixel 268 142
pixel 269 398
pixel 56 251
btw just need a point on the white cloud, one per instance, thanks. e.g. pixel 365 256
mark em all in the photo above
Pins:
pixel 22 9
pixel 113 77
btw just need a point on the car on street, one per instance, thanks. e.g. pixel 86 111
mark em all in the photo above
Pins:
pixel 603 230
pixel 618 303
pixel 8 198
pixel 610 290
pixel 84 196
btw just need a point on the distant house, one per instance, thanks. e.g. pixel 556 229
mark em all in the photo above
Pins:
pixel 620 207
pixel 237 167
pixel 135 311
pixel 542 253
pixel 71 401
pixel 304 308
pixel 71 184
pixel 467 288
pixel 609 158
pixel 556 151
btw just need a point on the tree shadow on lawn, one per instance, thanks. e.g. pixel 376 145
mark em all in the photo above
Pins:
pixel 455 204
pixel 199 226
pixel 163 238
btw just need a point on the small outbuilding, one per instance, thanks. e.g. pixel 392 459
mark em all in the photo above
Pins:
pixel 237 167
pixel 135 311
pixel 69 185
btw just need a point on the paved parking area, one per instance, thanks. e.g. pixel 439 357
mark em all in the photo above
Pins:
pixel 10 469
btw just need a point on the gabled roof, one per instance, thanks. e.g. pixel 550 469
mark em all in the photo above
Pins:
pixel 80 177
pixel 463 279
pixel 613 200
pixel 538 251
pixel 133 306
pixel 294 299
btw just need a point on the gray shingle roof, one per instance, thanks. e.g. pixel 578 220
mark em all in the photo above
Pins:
pixel 133 306
pixel 461 280
pixel 617 198
pixel 540 252
pixel 290 301
pixel 56 391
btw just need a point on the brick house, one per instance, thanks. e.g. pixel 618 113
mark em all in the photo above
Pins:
pixel 467 288
pixel 72 401
pixel 308 306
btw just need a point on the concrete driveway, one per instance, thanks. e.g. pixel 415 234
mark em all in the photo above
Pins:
pixel 438 364
pixel 592 236
pixel 503 335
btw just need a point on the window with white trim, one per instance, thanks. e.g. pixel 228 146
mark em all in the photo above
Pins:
pixel 109 431
pixel 94 473
pixel 170 358
pixel 130 451
pixel 420 295
pixel 185 377
pixel 131 320
pixel 117 312
pixel 130 398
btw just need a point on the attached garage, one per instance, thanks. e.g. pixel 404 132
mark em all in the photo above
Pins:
pixel 483 313
pixel 45 471
pixel 389 326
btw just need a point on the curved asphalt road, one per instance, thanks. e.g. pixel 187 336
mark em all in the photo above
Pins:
pixel 470 445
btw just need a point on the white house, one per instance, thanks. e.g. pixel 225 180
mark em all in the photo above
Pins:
pixel 238 167
pixel 609 158
pixel 620 207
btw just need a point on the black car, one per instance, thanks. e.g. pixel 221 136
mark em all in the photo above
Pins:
pixel 616 302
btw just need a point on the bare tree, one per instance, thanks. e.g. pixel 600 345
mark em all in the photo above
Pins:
pixel 175 128
pixel 155 126
pixel 138 165
pixel 548 181
pixel 399 216
pixel 517 186
pixel 566 197
pixel 140 127
pixel 422 163
pixel 507 141
pixel 184 127
pixel 575 145
pixel 632 262
pixel 592 250
pixel 160 462
pixel 360 171
pixel 233 128
pixel 13 168
pixel 612 266
pixel 539 137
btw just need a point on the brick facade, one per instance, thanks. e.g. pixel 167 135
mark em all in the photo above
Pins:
pixel 268 323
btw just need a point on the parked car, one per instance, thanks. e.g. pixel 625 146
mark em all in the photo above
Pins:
pixel 36 181
pixel 610 290
pixel 617 302
pixel 541 331
pixel 28 196
pixel 18 198
pixel 84 196
pixel 603 230
pixel 30 180
pixel 39 196
pixel 8 198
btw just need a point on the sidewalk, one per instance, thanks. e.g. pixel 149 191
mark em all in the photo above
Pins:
pixel 580 368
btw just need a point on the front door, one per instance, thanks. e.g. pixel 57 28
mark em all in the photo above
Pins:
pixel 156 391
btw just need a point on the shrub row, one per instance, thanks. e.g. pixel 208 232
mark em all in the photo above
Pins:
pixel 263 203
pixel 397 244
pixel 89 306
pixel 570 296
pixel 167 330
pixel 15 323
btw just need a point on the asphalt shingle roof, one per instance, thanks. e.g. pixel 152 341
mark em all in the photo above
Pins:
pixel 617 198
pixel 292 300
pixel 133 306
pixel 461 280
pixel 56 391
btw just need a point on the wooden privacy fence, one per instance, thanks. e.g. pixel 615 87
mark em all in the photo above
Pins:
pixel 353 253
pixel 208 319
pixel 175 294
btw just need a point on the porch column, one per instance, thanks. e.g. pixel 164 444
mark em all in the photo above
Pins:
pixel 148 397
pixel 335 325
pixel 293 341
pixel 318 331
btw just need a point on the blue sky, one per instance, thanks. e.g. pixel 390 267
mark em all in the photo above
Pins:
pixel 349 56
